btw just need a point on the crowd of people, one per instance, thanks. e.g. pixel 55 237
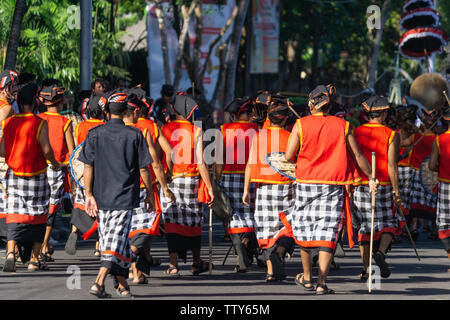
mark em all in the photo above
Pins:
pixel 145 173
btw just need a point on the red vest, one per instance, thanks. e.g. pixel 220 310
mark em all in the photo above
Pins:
pixel 23 153
pixel 323 157
pixel 83 128
pixel 266 141
pixel 57 127
pixel 421 150
pixel 181 136
pixel 443 144
pixel 151 126
pixel 237 137
pixel 375 137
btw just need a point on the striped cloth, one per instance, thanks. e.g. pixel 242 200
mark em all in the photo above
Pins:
pixel 318 215
pixel 443 210
pixel 385 220
pixel 142 220
pixel 271 200
pixel 420 199
pixel 242 219
pixel 56 182
pixel 114 228
pixel 404 184
pixel 186 211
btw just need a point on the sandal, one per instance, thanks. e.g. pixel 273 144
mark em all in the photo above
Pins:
pixel 121 291
pixel 38 265
pixel 46 257
pixel 239 269
pixel 325 289
pixel 100 292
pixel 142 280
pixel 363 275
pixel 202 267
pixel 270 278
pixel 278 266
pixel 71 244
pixel 10 264
pixel 304 282
pixel 97 253
pixel 169 272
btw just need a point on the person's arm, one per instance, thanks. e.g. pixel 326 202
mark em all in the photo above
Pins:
pixel 6 112
pixel 91 203
pixel 46 148
pixel 147 179
pixel 393 152
pixel 360 160
pixel 433 163
pixel 293 144
pixel 68 135
pixel 2 148
pixel 247 177
pixel 218 166
pixel 167 149
pixel 202 168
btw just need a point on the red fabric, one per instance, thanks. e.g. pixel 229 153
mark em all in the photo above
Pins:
pixel 269 243
pixel 443 234
pixel 26 219
pixel 203 195
pixel 183 230
pixel 83 129
pixel 181 136
pixel 91 231
pixel 323 157
pixel 267 141
pixel 444 152
pixel 237 137
pixel 421 150
pixel 150 126
pixel 375 137
pixel 23 153
pixel 57 126
pixel 240 230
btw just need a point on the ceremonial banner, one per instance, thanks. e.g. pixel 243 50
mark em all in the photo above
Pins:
pixel 265 36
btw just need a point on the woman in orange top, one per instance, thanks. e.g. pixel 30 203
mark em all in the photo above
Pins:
pixel 274 192
pixel 439 161
pixel 61 140
pixel 375 137
pixel 325 149
pixel 237 136
pixel 80 220
pixel 25 146
pixel 183 219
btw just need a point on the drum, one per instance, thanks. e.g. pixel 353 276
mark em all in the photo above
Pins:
pixel 428 179
pixel 76 167
pixel 278 163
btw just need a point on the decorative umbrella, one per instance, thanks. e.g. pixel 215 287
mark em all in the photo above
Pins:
pixel 420 18
pixel 417 4
pixel 422 42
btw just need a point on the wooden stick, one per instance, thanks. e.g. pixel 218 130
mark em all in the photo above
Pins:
pixel 226 256
pixel 371 225
pixel 446 97
pixel 210 241
pixel 407 231
pixel 292 109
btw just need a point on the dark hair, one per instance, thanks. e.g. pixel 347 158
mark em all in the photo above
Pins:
pixel 98 80
pixel 50 82
pixel 27 95
pixel 167 90
pixel 374 114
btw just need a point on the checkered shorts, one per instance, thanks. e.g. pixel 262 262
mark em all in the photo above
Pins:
pixel 318 214
pixel 233 185
pixel 141 219
pixel 419 196
pixel 27 195
pixel 384 219
pixel 271 199
pixel 404 184
pixel 186 210
pixel 56 182
pixel 443 206
pixel 113 229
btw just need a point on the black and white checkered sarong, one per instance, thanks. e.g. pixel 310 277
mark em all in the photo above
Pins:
pixel 142 219
pixel 79 196
pixel 271 199
pixel 186 211
pixel 384 219
pixel 56 182
pixel 27 195
pixel 404 184
pixel 419 197
pixel 233 185
pixel 113 229
pixel 443 208
pixel 318 214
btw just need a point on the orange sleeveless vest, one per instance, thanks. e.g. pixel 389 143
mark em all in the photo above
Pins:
pixel 421 150
pixel 237 137
pixel 151 126
pixel 83 128
pixel 375 137
pixel 323 156
pixel 272 139
pixel 23 153
pixel 181 136
pixel 57 126
pixel 443 144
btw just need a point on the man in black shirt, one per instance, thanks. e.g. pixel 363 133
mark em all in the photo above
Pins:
pixel 115 156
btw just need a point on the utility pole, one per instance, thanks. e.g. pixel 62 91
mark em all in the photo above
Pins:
pixel 86 45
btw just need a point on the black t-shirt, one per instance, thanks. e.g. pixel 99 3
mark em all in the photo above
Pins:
pixel 116 152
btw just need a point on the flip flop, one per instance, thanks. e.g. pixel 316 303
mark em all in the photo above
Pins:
pixel 71 244
pixel 169 273
pixel 10 264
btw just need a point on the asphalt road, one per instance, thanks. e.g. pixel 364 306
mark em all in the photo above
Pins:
pixel 410 279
